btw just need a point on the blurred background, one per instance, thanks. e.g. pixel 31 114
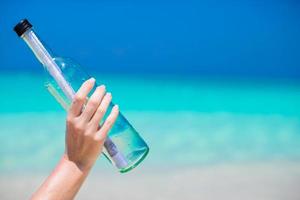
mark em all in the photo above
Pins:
pixel 212 86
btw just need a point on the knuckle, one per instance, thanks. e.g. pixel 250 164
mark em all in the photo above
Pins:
pixel 78 98
pixel 99 137
pixel 89 136
pixel 69 120
pixel 79 127
pixel 93 103
pixel 91 124
pixel 101 111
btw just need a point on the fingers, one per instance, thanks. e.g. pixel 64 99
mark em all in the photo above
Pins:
pixel 109 122
pixel 80 97
pixel 94 111
pixel 94 123
pixel 93 103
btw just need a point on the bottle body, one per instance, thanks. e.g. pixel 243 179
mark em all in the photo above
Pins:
pixel 124 147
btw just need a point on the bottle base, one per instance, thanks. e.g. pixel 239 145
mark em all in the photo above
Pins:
pixel 138 160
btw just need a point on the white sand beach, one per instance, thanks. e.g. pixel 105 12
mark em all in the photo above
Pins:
pixel 259 181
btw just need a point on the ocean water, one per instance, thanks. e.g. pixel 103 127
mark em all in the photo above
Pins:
pixel 186 121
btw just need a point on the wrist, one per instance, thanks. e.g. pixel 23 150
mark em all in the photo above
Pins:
pixel 66 161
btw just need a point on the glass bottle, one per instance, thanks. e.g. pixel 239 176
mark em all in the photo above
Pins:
pixel 123 147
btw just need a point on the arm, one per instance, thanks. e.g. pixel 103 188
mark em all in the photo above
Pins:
pixel 84 143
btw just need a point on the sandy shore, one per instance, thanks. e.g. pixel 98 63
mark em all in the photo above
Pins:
pixel 227 181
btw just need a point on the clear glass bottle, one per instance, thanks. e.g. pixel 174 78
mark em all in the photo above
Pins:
pixel 124 147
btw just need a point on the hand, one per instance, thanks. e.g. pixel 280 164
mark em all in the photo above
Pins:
pixel 84 136
pixel 84 142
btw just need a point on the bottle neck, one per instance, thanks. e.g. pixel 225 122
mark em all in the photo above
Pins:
pixel 37 47
pixel 47 61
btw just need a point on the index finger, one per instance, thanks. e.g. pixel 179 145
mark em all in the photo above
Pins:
pixel 80 97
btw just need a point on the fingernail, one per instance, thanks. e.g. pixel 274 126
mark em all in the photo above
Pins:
pixel 108 94
pixel 116 107
pixel 101 87
pixel 92 79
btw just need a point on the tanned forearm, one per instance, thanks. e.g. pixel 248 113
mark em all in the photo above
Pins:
pixel 63 183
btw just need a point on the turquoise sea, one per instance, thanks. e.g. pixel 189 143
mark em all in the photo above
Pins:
pixel 190 121
pixel 212 86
